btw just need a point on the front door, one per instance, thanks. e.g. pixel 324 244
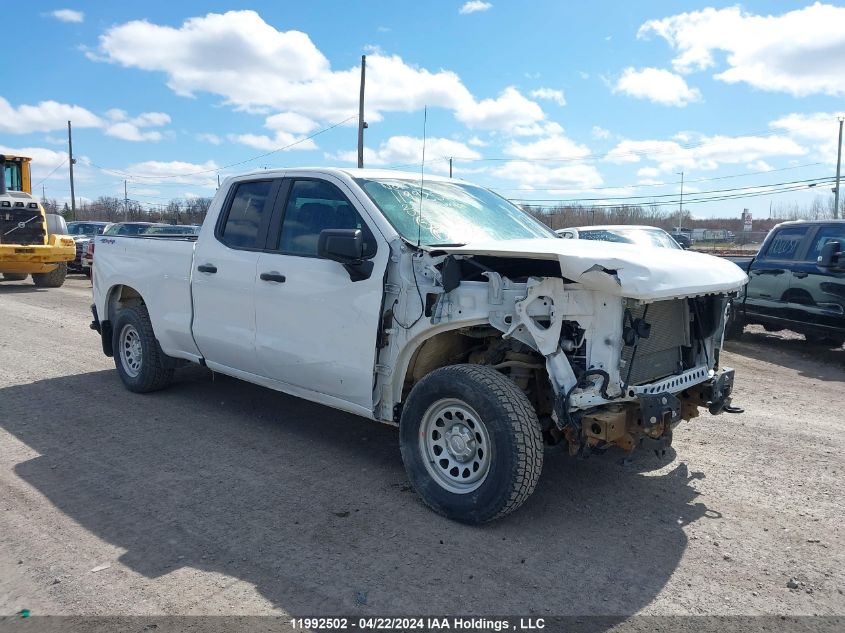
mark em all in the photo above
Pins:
pixel 316 329
pixel 767 292
pixel 819 294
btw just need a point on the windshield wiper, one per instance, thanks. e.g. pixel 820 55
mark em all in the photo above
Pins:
pixel 446 245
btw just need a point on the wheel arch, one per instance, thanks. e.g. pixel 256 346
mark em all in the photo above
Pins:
pixel 405 364
pixel 118 295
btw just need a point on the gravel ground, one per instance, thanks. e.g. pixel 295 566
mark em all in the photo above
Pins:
pixel 220 497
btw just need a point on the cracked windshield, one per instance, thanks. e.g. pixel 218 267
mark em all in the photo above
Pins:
pixel 451 213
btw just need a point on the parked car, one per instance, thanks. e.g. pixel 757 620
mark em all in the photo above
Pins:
pixel 172 229
pixel 623 234
pixel 116 228
pixel 438 307
pixel 82 232
pixel 683 239
pixel 796 282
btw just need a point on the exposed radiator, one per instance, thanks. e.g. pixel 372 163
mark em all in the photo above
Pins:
pixel 659 355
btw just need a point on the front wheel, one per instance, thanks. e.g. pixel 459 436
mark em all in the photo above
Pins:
pixel 138 358
pixel 471 443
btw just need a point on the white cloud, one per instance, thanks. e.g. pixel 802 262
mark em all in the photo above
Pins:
pixel 507 112
pixel 819 129
pixel 759 165
pixel 600 132
pixel 208 137
pixel 474 6
pixel 551 94
pixel 477 142
pixel 707 154
pixel 257 68
pixel 128 128
pixel 43 161
pixel 657 85
pixel 556 145
pixel 68 15
pixel 44 117
pixel 648 172
pixel 287 127
pixel 176 172
pixel 407 151
pixel 549 178
pixel 799 52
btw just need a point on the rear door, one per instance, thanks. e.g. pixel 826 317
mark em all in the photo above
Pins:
pixel 223 279
pixel 769 274
pixel 818 295
pixel 316 329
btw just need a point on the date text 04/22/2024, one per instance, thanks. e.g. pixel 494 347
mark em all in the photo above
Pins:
pixel 420 623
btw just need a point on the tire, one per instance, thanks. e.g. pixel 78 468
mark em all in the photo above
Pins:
pixel 53 279
pixel 735 325
pixel 141 364
pixel 484 409
pixel 15 276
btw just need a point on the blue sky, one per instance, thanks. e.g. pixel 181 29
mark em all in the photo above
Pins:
pixel 539 100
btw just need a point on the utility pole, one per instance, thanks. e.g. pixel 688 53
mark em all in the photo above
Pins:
pixel 450 167
pixel 838 165
pixel 681 204
pixel 361 123
pixel 125 200
pixel 43 193
pixel 72 160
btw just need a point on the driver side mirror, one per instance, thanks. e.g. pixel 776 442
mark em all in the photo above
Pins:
pixel 345 246
pixel 341 245
pixel 831 257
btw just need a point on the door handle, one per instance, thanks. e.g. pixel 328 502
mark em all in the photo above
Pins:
pixel 272 276
pixel 207 268
pixel 800 275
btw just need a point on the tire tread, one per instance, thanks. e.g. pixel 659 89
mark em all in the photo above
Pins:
pixel 524 426
pixel 160 375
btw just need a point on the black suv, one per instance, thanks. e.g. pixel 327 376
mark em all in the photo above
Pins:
pixel 796 282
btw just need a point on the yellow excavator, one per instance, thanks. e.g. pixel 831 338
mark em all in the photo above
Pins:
pixel 26 245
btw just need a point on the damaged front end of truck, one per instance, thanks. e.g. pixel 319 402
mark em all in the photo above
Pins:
pixel 612 345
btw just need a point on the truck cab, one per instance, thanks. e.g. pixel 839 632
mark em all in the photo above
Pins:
pixel 796 282
pixel 26 245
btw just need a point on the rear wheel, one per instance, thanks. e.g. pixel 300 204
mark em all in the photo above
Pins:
pixel 14 276
pixel 141 364
pixel 471 443
pixel 53 279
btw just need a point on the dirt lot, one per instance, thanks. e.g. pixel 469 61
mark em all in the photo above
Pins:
pixel 219 497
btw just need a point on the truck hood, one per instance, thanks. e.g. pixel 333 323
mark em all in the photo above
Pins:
pixel 625 270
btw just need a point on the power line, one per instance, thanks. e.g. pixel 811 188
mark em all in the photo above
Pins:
pixel 219 169
pixel 687 201
pixel 661 184
pixel 50 174
pixel 674 195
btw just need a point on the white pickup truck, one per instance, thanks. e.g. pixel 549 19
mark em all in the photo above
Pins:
pixel 436 306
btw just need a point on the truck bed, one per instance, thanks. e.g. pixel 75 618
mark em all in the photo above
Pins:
pixel 159 268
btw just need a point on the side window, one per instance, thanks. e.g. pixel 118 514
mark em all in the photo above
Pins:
pixel 246 212
pixel 826 234
pixel 785 243
pixel 314 205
